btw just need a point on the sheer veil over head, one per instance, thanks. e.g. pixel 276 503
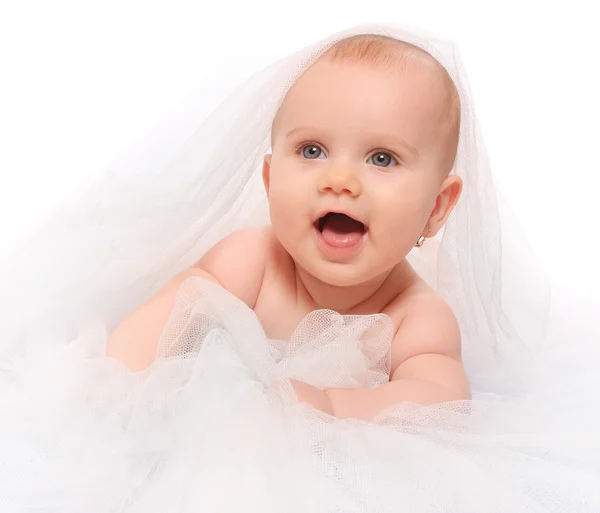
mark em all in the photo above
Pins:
pixel 110 249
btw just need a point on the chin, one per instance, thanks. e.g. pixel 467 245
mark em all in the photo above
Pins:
pixel 337 274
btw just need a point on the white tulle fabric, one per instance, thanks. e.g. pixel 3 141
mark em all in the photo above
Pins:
pixel 213 424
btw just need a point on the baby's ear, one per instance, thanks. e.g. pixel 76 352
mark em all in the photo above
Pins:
pixel 266 172
pixel 446 201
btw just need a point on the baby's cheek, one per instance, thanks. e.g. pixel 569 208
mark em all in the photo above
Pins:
pixel 286 198
pixel 397 227
pixel 284 211
pixel 402 210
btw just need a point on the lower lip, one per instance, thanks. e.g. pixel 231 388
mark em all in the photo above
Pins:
pixel 336 251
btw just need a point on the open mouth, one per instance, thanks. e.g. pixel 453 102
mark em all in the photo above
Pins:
pixel 340 230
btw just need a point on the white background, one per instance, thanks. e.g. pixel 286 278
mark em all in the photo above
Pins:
pixel 82 81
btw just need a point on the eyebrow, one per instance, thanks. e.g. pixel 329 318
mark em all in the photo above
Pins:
pixel 396 141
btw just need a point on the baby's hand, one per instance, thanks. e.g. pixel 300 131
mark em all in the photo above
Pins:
pixel 312 395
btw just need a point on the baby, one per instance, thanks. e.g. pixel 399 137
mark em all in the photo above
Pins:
pixel 362 148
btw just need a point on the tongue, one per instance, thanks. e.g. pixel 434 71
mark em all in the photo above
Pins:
pixel 341 231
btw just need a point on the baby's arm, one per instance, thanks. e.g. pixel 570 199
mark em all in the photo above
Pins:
pixel 236 263
pixel 430 371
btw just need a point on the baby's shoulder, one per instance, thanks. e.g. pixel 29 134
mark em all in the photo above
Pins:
pixel 238 262
pixel 409 297
pixel 246 244
pixel 425 323
pixel 420 304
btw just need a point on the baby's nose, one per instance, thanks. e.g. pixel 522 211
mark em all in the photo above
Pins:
pixel 340 180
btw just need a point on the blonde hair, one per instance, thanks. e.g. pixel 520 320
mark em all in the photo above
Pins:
pixel 374 50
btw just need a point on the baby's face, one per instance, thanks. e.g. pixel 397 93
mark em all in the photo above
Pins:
pixel 365 142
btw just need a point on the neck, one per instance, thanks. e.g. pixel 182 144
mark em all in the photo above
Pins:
pixel 369 297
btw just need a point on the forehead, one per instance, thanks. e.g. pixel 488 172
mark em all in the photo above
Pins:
pixel 410 98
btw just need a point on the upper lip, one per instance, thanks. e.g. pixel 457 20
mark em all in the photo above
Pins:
pixel 326 211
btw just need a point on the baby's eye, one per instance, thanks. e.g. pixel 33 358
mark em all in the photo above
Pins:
pixel 382 158
pixel 312 151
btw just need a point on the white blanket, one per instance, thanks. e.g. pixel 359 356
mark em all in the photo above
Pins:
pixel 216 427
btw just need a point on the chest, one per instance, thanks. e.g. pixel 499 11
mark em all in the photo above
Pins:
pixel 280 315
pixel 277 308
pixel 280 312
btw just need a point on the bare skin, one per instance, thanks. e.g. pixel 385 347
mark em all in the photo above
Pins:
pixel 364 141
